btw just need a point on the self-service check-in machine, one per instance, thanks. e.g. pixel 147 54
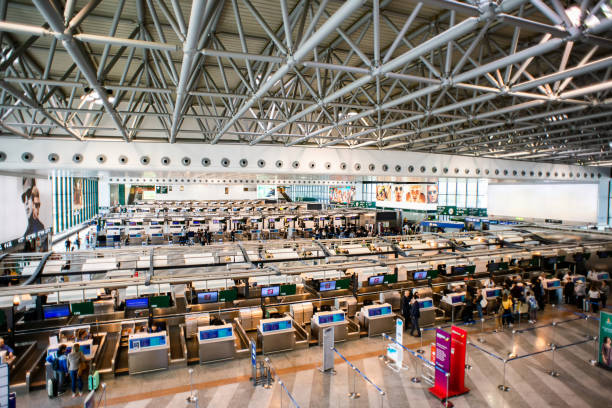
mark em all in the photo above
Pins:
pixel 276 335
pixel 598 276
pixel 148 352
pixel 427 312
pixel 377 319
pixel 216 343
pixel 553 290
pixel 335 319
pixel 453 302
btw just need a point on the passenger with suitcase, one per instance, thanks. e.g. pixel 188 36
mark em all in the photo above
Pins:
pixel 57 360
pixel 77 366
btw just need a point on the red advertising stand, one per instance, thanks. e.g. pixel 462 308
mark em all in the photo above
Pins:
pixel 450 358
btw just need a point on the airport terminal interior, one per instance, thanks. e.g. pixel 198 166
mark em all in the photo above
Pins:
pixel 305 203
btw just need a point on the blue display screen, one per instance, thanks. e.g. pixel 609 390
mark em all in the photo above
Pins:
pixel 603 276
pixel 138 303
pixel 379 311
pixel 551 261
pixel 579 278
pixel 194 222
pixel 281 325
pixel 459 270
pixel 85 348
pixel 175 222
pixel 145 342
pixel 270 291
pixel 208 297
pixel 376 280
pixel 458 298
pixel 157 235
pixel 327 285
pixel 420 275
pixel 54 312
pixel 331 318
pixel 554 284
pixel 493 293
pixel 425 304
pixel 216 333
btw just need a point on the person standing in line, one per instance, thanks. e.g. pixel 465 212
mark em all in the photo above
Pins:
pixel 604 292
pixel 594 298
pixel 580 290
pixel 415 314
pixel 533 307
pixel 75 358
pixel 57 359
pixel 480 300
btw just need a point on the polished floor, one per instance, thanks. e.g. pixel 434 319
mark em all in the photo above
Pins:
pixel 227 384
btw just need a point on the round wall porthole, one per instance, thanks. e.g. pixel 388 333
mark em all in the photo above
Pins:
pixel 145 160
pixel 27 157
pixel 562 174
pixel 434 169
pixel 539 174
pixel 371 167
pixel 77 158
pixel 278 164
pixel 467 171
pixel 477 171
pixel 592 175
pixel 422 168
pixel 505 172
pixel 357 166
pixel 261 163
pixel 398 168
pixel 548 174
pixel 243 162
pixel 342 166
pixel 456 170
pixel 556 174
pixel 585 175
pixel 523 173
pixel 327 166
pixel 205 161
pixel 385 167
pixel 571 175
pixel 53 157
pixel 410 169
pixel 225 162
pixel 487 171
pixel 123 159
pixel 445 170
pixel 312 165
pixel 496 171
pixel 185 161
pixel 2 156
pixel 295 164
pixel 531 173
pixel 101 158
pixel 514 172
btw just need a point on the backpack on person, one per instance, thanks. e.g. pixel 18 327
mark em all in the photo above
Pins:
pixel 532 303
pixel 55 364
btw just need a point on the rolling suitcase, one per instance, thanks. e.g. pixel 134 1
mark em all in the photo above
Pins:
pixel 93 381
pixel 52 388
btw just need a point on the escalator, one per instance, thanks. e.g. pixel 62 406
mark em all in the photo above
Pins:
pixel 283 194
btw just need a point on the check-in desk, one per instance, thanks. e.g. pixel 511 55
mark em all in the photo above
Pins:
pixel 216 343
pixel 453 304
pixel 427 312
pixel 148 352
pixel 553 290
pixel 492 295
pixel 86 346
pixel 276 335
pixel 599 276
pixel 335 319
pixel 157 238
pixel 377 319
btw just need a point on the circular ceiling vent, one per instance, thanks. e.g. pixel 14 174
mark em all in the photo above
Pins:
pixel 101 158
pixel 123 159
pixel 165 161
pixel 243 162
pixel 27 157
pixel 77 158
pixel 371 167
pixel 398 168
pixel 456 170
pixel 261 163
pixel 205 162
pixel 410 168
pixel 295 164
pixel 357 166
pixel 487 171
pixel 312 165
pixel 434 169
pixel 225 162
pixel 53 157
pixel 385 167
pixel 327 166
pixel 343 166
pixel 185 161
pixel 145 160
pixel 445 170
pixel 278 164
pixel 496 171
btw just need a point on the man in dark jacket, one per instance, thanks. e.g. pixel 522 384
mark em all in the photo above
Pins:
pixel 415 314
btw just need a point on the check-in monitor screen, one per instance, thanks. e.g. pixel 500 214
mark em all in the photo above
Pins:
pixel 376 280
pixel 216 333
pixel 603 276
pixel 270 291
pixel 379 311
pixel 554 284
pixel 459 270
pixel 493 293
pixel 137 303
pixel 425 304
pixel 54 312
pixel 208 297
pixel 331 318
pixel 492 267
pixel 280 325
pixel 327 285
pixel 420 275
pixel 458 298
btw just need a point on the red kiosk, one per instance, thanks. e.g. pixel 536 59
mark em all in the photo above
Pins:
pixel 450 358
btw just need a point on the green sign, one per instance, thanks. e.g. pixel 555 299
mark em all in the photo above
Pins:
pixel 160 301
pixel 447 210
pixel 79 309
pixel 363 204
pixel 605 339
pixel 287 290
pixel 228 295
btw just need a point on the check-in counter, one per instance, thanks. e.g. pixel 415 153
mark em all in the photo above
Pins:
pixel 276 335
pixel 377 319
pixel 335 319
pixel 86 346
pixel 599 276
pixel 427 312
pixel 553 290
pixel 148 352
pixel 216 343
pixel 453 303
pixel 492 295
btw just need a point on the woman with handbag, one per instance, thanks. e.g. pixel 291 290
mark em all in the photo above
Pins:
pixel 76 363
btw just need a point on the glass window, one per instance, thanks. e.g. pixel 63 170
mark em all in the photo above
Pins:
pixel 481 201
pixel 442 199
pixel 451 199
pixel 452 187
pixel 461 186
pixel 471 201
pixel 461 200
pixel 472 186
pixel 442 186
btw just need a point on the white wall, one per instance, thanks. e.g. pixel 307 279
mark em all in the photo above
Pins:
pixel 568 202
pixel 208 192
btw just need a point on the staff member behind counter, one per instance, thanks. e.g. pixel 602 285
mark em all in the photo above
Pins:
pixel 7 348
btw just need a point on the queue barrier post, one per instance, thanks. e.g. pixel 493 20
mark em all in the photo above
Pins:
pixel 468 366
pixel 416 379
pixel 354 394
pixel 593 362
pixel 280 389
pixel 192 398
pixel 481 338
pixel 503 387
pixel 420 349
pixel 553 372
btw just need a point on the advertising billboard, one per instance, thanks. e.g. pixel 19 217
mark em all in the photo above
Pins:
pixel 29 210
pixel 407 196
pixel 343 195
pixel 266 191
pixel 77 194
pixel 605 340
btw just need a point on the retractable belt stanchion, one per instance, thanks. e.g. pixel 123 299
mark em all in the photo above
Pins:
pixel 481 337
pixel 192 398
pixel 553 372
pixel 354 394
pixel 503 386
pixel 595 337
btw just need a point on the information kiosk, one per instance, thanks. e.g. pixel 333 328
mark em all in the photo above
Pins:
pixel 276 335
pixel 333 319
pixel 427 312
pixel 453 302
pixel 377 319
pixel 216 343
pixel 148 352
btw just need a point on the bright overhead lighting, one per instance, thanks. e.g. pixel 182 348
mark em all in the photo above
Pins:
pixel 95 98
pixel 574 14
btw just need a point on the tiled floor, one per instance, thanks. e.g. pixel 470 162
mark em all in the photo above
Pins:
pixel 226 384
